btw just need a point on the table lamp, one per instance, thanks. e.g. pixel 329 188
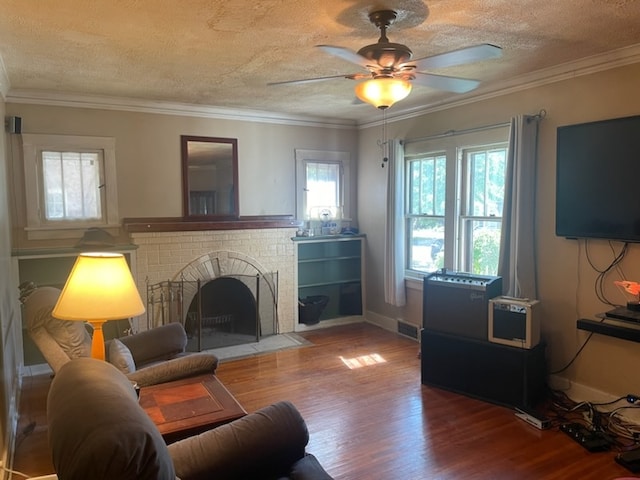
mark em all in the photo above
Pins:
pixel 100 288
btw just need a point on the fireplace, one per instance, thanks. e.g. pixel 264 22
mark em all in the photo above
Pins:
pixel 161 256
pixel 224 305
pixel 222 298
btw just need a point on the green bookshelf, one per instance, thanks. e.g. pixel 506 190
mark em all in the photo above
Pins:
pixel 332 266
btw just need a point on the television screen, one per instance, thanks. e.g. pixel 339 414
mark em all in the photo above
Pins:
pixel 598 180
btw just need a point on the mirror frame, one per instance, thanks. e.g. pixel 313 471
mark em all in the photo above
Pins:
pixel 184 147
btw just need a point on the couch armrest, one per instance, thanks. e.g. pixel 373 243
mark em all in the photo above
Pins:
pixel 51 351
pixel 156 344
pixel 267 442
pixel 97 429
pixel 175 369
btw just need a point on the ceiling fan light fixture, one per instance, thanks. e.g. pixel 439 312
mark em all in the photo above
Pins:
pixel 383 92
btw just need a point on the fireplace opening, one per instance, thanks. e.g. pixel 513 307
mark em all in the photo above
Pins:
pixel 222 313
pixel 222 298
pixel 219 312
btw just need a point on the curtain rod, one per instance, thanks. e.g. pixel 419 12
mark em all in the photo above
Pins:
pixel 450 133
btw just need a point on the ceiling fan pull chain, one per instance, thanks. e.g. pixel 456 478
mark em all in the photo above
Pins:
pixel 385 140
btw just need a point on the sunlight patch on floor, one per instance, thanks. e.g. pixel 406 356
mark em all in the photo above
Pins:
pixel 363 361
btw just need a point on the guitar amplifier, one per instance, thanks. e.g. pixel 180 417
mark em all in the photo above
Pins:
pixel 514 322
pixel 457 303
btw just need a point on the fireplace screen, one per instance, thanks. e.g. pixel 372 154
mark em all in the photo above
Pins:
pixel 224 311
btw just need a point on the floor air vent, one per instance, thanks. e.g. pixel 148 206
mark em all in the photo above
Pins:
pixel 407 329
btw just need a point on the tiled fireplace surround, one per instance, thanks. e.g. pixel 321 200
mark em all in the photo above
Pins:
pixel 160 256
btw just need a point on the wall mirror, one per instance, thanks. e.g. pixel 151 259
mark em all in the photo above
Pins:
pixel 209 177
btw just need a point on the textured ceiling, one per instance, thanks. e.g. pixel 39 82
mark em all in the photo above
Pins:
pixel 223 53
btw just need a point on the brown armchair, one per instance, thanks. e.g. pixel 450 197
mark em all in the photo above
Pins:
pixel 98 430
pixel 150 357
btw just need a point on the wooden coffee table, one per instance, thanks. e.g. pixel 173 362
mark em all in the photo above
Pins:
pixel 189 406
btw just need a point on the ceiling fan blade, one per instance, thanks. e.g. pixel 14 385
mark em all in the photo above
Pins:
pixel 346 54
pixel 355 76
pixel 441 82
pixel 457 57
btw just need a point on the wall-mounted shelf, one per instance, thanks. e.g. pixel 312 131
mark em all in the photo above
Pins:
pixel 630 333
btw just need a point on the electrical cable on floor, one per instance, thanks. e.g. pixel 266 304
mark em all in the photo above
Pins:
pixel 26 431
pixel 620 433
pixel 622 427
pixel 16 472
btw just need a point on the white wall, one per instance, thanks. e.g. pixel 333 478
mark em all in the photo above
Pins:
pixel 566 282
pixel 148 156
pixel 10 350
pixel 149 185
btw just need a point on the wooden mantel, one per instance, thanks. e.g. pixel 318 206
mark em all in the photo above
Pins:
pixel 179 224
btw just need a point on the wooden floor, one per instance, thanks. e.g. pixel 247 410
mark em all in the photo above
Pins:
pixel 374 420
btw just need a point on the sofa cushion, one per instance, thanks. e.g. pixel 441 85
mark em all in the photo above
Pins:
pixel 120 356
pixel 98 430
pixel 71 336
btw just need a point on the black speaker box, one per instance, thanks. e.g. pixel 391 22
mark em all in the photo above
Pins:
pixel 505 375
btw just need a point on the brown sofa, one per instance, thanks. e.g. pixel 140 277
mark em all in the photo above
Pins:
pixel 153 356
pixel 98 430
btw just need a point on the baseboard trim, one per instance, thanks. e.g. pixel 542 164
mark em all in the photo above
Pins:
pixel 39 369
pixel 579 392
pixel 301 327
pixel 381 321
pixel 390 324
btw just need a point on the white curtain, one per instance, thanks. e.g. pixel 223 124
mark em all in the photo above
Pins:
pixel 394 292
pixel 517 263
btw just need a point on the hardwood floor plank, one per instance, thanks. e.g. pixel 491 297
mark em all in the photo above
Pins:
pixel 378 421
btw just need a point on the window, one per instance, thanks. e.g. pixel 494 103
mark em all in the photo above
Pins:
pixel 70 184
pixel 322 184
pixel 454 197
pixel 483 176
pixel 426 212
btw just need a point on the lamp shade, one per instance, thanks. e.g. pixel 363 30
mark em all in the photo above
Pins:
pixel 383 92
pixel 100 287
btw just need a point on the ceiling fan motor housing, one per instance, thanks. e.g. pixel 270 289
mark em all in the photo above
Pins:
pixel 386 55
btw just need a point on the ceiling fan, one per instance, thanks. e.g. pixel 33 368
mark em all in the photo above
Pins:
pixel 390 70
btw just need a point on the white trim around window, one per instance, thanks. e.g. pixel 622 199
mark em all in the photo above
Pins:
pixel 303 156
pixel 33 144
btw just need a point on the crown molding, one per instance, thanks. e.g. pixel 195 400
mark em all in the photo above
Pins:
pixel 585 66
pixel 44 97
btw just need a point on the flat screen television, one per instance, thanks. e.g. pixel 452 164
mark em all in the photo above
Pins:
pixel 598 180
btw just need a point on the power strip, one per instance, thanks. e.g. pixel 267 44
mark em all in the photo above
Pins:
pixel 592 440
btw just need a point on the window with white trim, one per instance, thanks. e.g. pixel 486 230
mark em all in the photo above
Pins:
pixel 70 184
pixel 322 184
pixel 454 197
pixel 483 176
